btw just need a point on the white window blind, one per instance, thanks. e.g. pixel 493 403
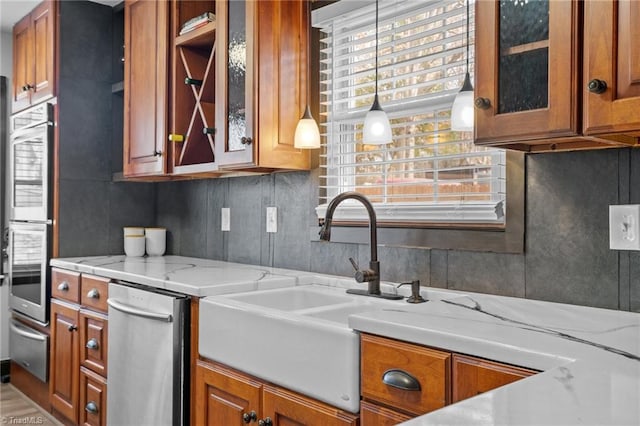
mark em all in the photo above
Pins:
pixel 429 173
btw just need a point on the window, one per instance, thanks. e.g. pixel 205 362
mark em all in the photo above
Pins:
pixel 429 173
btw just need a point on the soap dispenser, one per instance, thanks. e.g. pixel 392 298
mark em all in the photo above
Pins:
pixel 415 292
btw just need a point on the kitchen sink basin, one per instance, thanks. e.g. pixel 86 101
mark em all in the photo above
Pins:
pixel 295 337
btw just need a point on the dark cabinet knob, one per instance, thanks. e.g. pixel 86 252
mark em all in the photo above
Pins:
pixel 157 153
pixel 91 407
pixel 482 103
pixel 72 328
pixel 597 86
pixel 266 422
pixel 27 87
pixel 92 344
pixel 249 417
pixel 192 81
pixel 246 141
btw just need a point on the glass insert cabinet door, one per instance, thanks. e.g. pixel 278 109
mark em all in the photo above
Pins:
pixel 235 83
pixel 526 63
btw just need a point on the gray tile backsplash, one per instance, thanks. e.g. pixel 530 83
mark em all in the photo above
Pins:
pixel 567 257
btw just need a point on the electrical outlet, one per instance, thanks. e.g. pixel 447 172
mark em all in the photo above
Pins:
pixel 272 219
pixel 624 227
pixel 225 219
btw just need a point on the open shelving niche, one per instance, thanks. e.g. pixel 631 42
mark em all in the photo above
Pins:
pixel 193 106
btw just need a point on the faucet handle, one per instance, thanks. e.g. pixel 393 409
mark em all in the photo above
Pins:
pixel 363 275
pixel 415 292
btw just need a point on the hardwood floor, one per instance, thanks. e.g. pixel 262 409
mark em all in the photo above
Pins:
pixel 16 408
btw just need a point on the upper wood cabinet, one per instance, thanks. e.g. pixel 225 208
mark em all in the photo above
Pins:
pixel 146 80
pixel 260 83
pixel 33 56
pixel 612 56
pixel 532 90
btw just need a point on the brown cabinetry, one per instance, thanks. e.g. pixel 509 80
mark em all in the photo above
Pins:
pixel 227 397
pixel 403 380
pixel 33 56
pixel 473 376
pixel 532 90
pixel 224 97
pixel 77 379
pixel 146 80
pixel 611 46
pixel 260 90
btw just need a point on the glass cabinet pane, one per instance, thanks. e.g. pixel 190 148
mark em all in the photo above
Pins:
pixel 523 80
pixel 236 75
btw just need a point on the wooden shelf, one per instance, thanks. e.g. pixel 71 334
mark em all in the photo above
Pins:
pixel 200 37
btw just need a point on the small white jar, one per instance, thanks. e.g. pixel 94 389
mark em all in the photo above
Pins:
pixel 156 240
pixel 134 245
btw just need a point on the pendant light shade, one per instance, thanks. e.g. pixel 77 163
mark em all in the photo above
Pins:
pixel 307 134
pixel 462 112
pixel 376 129
pixel 463 108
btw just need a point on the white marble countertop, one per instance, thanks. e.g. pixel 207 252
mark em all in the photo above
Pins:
pixel 186 275
pixel 590 358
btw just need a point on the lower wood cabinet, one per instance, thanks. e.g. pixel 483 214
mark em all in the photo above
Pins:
pixel 403 380
pixel 78 351
pixel 473 376
pixel 226 397
pixel 93 398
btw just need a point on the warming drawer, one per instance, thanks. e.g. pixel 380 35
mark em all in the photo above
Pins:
pixel 29 348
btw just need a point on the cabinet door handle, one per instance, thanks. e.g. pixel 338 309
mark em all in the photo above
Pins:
pixel 246 141
pixel 157 153
pixel 63 286
pixel 401 380
pixel 597 86
pixel 482 103
pixel 93 294
pixel 249 417
pixel 92 344
pixel 72 328
pixel 27 87
pixel 91 407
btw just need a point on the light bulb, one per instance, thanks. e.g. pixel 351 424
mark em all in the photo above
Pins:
pixel 307 134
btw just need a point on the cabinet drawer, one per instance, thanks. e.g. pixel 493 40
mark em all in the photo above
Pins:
pixel 93 341
pixel 94 292
pixel 93 398
pixel 374 415
pixel 390 368
pixel 65 285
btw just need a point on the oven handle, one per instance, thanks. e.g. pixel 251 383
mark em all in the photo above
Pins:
pixel 128 309
pixel 24 333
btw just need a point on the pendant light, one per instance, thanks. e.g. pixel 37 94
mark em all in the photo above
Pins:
pixel 377 129
pixel 462 111
pixel 307 134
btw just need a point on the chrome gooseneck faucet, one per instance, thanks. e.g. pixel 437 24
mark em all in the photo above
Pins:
pixel 371 275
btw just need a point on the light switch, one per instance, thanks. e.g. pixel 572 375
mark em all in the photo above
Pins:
pixel 225 219
pixel 624 227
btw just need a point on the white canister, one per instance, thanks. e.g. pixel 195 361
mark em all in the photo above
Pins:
pixel 156 241
pixel 134 245
pixel 133 230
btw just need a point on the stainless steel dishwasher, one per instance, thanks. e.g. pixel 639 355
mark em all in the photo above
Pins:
pixel 148 356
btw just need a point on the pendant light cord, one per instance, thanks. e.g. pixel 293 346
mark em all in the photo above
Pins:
pixel 376 47
pixel 309 31
pixel 468 35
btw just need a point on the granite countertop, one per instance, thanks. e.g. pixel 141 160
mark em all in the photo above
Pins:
pixel 589 357
pixel 186 275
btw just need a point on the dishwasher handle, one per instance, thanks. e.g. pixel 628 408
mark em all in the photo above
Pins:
pixel 24 333
pixel 131 310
